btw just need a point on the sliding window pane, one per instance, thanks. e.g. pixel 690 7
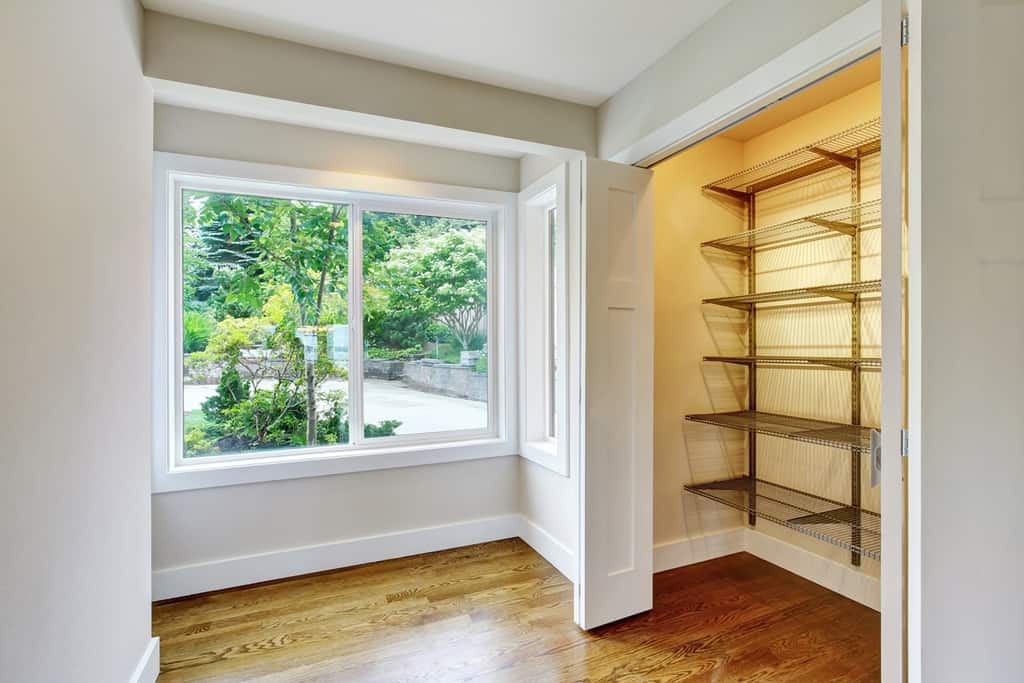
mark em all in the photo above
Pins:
pixel 264 323
pixel 425 315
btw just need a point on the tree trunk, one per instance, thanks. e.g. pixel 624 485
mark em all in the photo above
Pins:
pixel 310 403
pixel 311 419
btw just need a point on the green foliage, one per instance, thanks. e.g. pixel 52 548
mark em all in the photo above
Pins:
pixel 258 272
pixel 385 428
pixel 394 354
pixel 198 442
pixel 231 390
pixel 196 330
pixel 442 275
pixel 481 364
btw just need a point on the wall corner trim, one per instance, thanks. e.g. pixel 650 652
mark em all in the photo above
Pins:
pixel 550 548
pixel 148 667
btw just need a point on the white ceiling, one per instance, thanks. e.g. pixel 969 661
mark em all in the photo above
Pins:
pixel 578 50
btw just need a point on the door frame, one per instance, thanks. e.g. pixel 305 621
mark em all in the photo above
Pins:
pixel 838 45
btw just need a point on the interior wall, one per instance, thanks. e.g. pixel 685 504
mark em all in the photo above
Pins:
pixel 207 525
pixel 686 330
pixel 75 442
pixel 966 369
pixel 202 54
pixel 204 133
pixel 210 525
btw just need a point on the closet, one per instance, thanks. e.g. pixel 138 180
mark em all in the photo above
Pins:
pixel 768 334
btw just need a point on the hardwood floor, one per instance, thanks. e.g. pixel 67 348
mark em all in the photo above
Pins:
pixel 499 612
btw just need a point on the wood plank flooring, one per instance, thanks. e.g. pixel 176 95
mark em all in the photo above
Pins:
pixel 499 612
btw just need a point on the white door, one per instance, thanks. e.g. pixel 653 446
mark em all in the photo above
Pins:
pixel 616 458
pixel 893 581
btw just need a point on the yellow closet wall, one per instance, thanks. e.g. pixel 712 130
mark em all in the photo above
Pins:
pixel 686 330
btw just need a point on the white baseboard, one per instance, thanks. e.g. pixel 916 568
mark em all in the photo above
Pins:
pixel 550 548
pixel 175 582
pixel 239 571
pixel 837 577
pixel 684 551
pixel 148 667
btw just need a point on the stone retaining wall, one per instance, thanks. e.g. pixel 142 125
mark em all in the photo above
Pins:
pixel 459 381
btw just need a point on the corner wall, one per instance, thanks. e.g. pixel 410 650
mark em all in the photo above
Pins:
pixel 75 443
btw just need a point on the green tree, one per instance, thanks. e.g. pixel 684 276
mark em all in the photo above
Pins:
pixel 442 275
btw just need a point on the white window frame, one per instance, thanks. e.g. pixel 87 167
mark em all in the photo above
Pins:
pixel 535 390
pixel 174 172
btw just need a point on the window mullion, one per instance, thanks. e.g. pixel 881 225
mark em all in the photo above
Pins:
pixel 355 325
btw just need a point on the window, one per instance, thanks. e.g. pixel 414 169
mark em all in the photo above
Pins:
pixel 553 315
pixel 307 322
pixel 544 321
pixel 265 333
pixel 424 324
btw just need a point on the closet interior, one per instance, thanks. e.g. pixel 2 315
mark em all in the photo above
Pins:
pixel 768 301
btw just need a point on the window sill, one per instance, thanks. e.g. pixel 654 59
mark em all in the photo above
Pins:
pixel 545 453
pixel 210 474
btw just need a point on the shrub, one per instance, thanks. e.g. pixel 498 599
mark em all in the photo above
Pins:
pixel 198 443
pixel 394 354
pixel 231 390
pixel 481 364
pixel 196 329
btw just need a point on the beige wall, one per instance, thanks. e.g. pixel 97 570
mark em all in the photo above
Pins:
pixel 202 54
pixel 191 131
pixel 730 45
pixel 685 330
pixel 75 137
pixel 204 525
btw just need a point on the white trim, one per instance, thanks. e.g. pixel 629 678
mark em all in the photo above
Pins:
pixel 148 667
pixel 498 208
pixel 842 42
pixel 278 564
pixel 685 551
pixel 203 577
pixel 915 457
pixel 837 577
pixel 550 190
pixel 893 418
pixel 550 548
pixel 237 103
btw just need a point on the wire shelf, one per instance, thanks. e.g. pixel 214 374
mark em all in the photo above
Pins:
pixel 799 361
pixel 844 526
pixel 842 292
pixel 834 434
pixel 840 149
pixel 845 221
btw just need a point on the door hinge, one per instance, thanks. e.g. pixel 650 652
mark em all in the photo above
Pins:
pixel 905 31
pixel 904 443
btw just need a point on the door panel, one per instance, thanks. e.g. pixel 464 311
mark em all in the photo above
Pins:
pixel 615 556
